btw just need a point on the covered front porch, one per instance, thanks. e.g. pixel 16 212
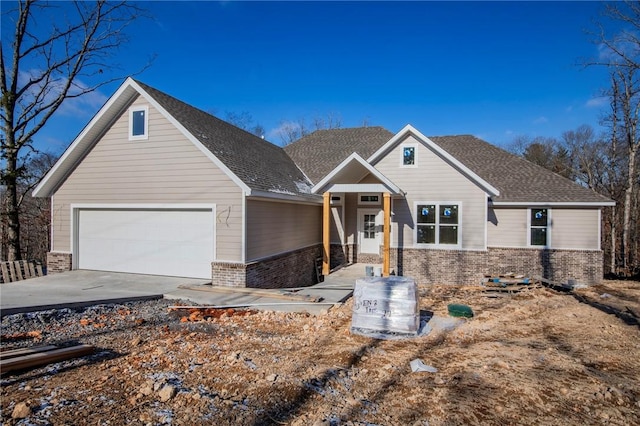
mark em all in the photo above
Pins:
pixel 356 215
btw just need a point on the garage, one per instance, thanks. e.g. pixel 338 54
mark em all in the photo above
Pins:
pixel 173 242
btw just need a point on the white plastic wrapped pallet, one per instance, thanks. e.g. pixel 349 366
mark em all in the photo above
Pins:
pixel 385 305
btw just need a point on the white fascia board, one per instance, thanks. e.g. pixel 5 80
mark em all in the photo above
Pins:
pixel 356 187
pixel 64 164
pixel 193 140
pixel 409 129
pixel 277 196
pixel 355 157
pixel 552 204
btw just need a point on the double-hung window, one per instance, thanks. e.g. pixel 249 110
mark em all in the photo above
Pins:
pixel 539 227
pixel 438 224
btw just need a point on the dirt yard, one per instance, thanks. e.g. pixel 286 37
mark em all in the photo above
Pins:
pixel 539 357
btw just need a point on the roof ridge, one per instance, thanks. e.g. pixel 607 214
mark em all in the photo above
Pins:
pixel 220 120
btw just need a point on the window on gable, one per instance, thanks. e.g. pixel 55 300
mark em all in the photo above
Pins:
pixel 437 224
pixel 539 230
pixel 408 155
pixel 138 122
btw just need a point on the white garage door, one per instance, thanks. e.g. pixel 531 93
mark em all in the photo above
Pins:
pixel 157 242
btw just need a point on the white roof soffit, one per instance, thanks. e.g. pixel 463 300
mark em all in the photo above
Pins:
pixel 410 130
pixel 326 182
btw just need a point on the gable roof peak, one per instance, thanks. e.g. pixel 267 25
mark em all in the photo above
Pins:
pixel 318 153
pixel 253 163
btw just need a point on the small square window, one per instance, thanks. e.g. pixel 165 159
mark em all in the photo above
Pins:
pixel 408 156
pixel 449 214
pixel 426 234
pixel 538 236
pixel 426 213
pixel 448 235
pixel 538 217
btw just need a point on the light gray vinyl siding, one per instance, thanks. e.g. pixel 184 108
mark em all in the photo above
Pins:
pixel 570 228
pixel 432 179
pixel 166 168
pixel 575 229
pixel 276 227
pixel 507 228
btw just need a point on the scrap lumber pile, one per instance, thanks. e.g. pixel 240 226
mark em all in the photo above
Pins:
pixel 196 313
pixel 37 356
pixel 19 270
pixel 508 283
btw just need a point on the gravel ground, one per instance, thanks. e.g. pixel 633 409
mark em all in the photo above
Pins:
pixel 538 357
pixel 66 326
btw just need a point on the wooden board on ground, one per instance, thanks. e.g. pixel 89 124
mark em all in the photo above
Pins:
pixel 253 292
pixel 44 358
pixel 26 351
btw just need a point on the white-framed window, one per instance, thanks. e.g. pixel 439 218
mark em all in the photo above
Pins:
pixel 409 155
pixel 539 221
pixel 138 122
pixel 365 199
pixel 336 200
pixel 438 224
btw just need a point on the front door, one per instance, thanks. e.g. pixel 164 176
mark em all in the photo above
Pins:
pixel 369 230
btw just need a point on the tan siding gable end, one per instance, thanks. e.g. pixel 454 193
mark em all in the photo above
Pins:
pixel 166 168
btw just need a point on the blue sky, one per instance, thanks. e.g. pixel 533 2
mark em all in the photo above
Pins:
pixel 492 69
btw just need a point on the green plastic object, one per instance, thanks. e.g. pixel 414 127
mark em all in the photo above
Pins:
pixel 456 310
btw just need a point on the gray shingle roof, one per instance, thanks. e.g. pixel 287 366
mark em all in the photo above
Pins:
pixel 261 165
pixel 517 179
pixel 321 151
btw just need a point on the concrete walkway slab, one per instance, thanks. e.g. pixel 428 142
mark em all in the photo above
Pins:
pixel 335 289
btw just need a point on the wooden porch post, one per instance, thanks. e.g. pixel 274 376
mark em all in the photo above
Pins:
pixel 326 229
pixel 386 234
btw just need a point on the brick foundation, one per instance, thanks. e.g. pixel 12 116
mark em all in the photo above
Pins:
pixel 585 266
pixel 292 269
pixel 228 274
pixel 345 254
pixel 469 267
pixel 58 262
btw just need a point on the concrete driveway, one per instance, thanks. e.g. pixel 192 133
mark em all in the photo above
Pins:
pixel 84 288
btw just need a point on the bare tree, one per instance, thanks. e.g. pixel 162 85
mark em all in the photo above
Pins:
pixel 546 152
pixel 620 52
pixel 244 120
pixel 40 70
pixel 291 131
pixel 35 216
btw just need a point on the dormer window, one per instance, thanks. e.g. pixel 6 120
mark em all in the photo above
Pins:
pixel 138 122
pixel 409 155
